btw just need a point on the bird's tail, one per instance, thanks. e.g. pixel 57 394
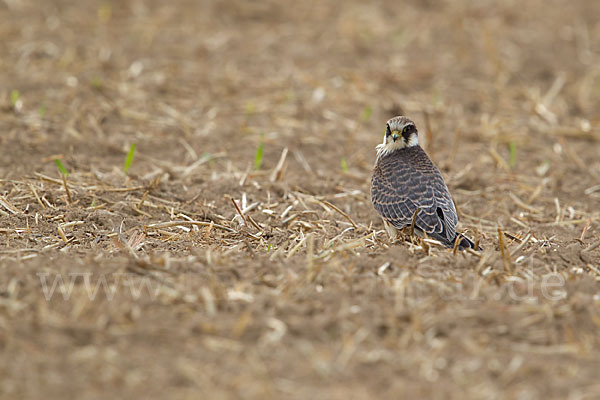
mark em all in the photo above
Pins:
pixel 466 243
pixel 463 244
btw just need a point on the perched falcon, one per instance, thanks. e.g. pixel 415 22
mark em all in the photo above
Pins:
pixel 406 180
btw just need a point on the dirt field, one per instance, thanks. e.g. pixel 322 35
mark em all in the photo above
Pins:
pixel 150 284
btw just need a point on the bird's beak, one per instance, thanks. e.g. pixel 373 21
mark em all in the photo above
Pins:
pixel 396 135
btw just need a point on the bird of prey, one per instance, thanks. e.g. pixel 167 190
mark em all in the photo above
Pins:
pixel 407 185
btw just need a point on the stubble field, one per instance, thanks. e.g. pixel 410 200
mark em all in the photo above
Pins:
pixel 199 273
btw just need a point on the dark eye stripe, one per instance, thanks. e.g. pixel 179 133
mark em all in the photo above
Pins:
pixel 407 131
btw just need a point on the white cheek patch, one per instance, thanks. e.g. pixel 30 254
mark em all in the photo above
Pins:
pixel 388 146
pixel 413 140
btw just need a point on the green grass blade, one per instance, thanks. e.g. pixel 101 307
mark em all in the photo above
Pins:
pixel 344 164
pixel 259 153
pixel 129 159
pixel 96 82
pixel 366 114
pixel 512 148
pixel 14 97
pixel 61 167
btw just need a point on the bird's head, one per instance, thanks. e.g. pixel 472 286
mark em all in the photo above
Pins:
pixel 400 132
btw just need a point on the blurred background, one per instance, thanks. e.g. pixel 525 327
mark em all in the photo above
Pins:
pixel 318 76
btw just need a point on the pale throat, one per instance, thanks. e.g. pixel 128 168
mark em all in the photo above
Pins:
pixel 389 145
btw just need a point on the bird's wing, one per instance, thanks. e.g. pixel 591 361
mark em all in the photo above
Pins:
pixel 445 207
pixel 406 180
pixel 397 210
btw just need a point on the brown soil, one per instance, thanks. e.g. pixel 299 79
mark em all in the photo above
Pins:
pixel 148 284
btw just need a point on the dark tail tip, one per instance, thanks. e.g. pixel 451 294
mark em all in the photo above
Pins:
pixel 466 243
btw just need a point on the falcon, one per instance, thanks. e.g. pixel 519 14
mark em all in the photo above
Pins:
pixel 407 186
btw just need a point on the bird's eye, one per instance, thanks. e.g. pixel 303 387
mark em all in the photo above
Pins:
pixel 388 131
pixel 405 130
